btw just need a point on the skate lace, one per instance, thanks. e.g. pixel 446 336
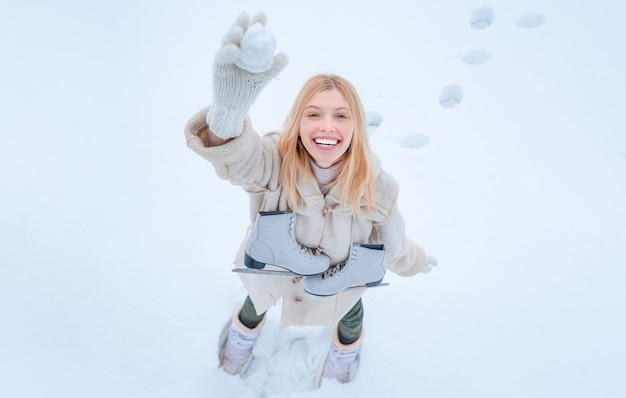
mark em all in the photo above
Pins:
pixel 309 252
pixel 334 271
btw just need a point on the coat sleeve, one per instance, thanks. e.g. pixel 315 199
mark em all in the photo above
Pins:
pixel 249 160
pixel 403 256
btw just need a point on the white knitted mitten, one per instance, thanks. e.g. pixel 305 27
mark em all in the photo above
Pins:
pixel 431 262
pixel 243 66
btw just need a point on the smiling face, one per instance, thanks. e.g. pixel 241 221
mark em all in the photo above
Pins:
pixel 326 127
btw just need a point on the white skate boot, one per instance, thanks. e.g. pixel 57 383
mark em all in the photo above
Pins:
pixel 365 267
pixel 235 345
pixel 342 362
pixel 273 241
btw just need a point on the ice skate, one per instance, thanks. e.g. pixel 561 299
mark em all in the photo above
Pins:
pixel 365 267
pixel 273 241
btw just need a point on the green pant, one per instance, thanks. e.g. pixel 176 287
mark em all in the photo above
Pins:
pixel 349 326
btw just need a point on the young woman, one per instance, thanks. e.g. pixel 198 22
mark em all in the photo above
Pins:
pixel 315 184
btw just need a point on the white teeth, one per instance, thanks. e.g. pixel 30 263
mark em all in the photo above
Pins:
pixel 326 141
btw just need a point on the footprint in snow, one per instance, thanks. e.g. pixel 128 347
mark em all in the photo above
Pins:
pixel 531 21
pixel 451 96
pixel 482 18
pixel 373 120
pixel 415 141
pixel 476 57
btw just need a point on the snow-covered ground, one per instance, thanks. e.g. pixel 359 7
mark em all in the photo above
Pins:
pixel 503 121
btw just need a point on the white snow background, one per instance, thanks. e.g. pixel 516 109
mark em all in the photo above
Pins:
pixel 504 125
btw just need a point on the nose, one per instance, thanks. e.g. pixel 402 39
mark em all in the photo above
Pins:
pixel 327 125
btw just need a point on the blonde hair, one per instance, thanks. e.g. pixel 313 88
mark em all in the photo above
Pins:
pixel 356 177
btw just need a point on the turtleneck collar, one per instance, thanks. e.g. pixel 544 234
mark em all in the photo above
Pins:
pixel 325 175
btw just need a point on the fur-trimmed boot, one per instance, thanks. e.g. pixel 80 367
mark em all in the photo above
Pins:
pixel 273 241
pixel 235 345
pixel 342 362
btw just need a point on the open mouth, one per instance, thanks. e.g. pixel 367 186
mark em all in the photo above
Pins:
pixel 326 141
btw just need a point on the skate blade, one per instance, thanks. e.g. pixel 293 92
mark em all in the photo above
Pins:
pixel 274 272
pixel 349 288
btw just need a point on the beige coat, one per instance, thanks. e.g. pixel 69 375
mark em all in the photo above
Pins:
pixel 253 162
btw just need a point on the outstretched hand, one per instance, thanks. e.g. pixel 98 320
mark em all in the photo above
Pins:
pixel 243 66
pixel 431 262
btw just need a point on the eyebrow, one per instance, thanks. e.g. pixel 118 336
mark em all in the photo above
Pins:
pixel 336 109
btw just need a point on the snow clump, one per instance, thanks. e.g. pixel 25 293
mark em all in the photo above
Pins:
pixel 257 49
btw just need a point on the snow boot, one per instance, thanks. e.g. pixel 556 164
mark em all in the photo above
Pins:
pixel 342 361
pixel 273 241
pixel 235 345
pixel 365 267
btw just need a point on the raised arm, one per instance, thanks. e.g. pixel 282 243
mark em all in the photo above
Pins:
pixel 243 66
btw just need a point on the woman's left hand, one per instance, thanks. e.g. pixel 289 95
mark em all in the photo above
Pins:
pixel 431 262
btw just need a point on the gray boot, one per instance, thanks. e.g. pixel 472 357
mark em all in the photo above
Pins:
pixel 273 241
pixel 365 267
